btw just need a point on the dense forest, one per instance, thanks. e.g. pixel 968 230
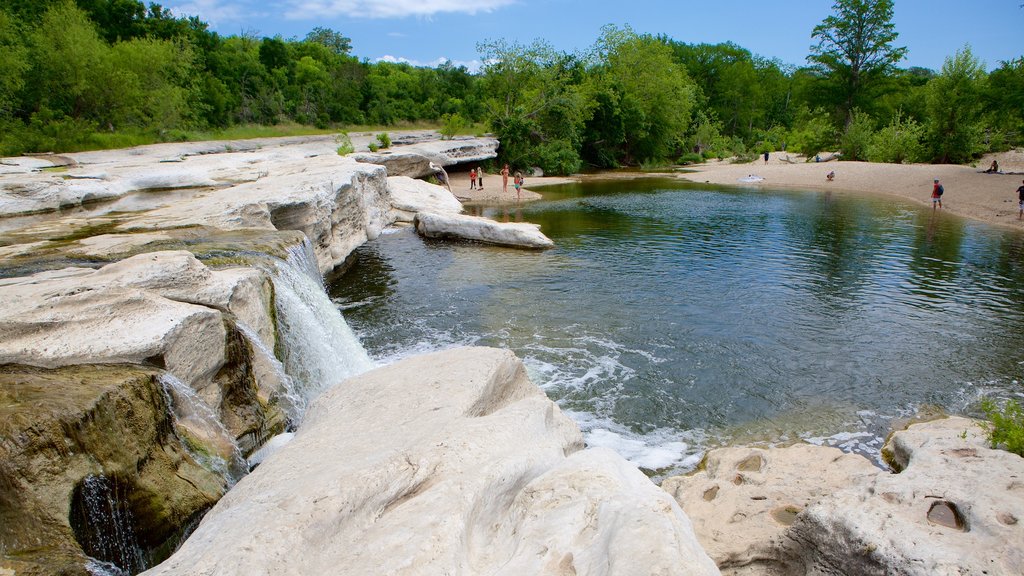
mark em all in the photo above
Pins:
pixel 80 74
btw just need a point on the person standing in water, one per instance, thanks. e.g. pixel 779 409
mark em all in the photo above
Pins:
pixel 504 179
pixel 518 184
pixel 937 191
pixel 1020 202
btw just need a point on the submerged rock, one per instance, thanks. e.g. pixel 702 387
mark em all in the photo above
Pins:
pixel 445 463
pixel 478 229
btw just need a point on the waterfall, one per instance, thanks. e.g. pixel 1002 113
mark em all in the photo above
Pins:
pixel 318 349
pixel 105 528
pixel 194 417
pixel 291 399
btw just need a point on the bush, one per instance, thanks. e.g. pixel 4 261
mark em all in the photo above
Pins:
pixel 813 134
pixel 1006 426
pixel 690 158
pixel 451 124
pixel 373 147
pixel 344 144
pixel 384 140
pixel 857 137
pixel 558 157
pixel 898 142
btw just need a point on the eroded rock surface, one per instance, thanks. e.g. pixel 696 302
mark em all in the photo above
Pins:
pixel 954 508
pixel 446 463
pixel 414 160
pixel 410 196
pixel 59 427
pixel 478 229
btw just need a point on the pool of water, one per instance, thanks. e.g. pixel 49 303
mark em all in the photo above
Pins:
pixel 672 317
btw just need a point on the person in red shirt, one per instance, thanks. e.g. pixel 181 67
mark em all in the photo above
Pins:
pixel 472 179
pixel 937 191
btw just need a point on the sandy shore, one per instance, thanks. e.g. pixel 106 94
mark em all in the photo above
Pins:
pixel 970 193
pixel 990 198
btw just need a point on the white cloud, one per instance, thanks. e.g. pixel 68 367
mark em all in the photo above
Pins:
pixel 472 65
pixel 212 11
pixel 312 9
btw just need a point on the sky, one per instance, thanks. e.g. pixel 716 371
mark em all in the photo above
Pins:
pixel 427 32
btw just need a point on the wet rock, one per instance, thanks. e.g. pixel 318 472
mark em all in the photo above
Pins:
pixel 61 426
pixel 743 500
pixel 448 462
pixel 478 229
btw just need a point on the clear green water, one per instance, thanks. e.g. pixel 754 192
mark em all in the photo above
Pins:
pixel 671 318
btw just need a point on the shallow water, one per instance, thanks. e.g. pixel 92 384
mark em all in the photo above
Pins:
pixel 675 317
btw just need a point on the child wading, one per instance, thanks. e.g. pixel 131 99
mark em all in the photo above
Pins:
pixel 937 191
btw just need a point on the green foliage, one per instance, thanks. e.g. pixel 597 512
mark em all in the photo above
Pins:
pixel 813 133
pixel 372 147
pixel 855 51
pixel 690 158
pixel 1006 426
pixel 344 144
pixel 954 101
pixel 384 140
pixel 857 137
pixel 451 124
pixel 899 142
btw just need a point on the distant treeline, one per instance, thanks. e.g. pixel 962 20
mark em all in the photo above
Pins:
pixel 101 73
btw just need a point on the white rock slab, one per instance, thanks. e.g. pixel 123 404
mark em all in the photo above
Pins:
pixel 516 234
pixel 449 463
pixel 409 196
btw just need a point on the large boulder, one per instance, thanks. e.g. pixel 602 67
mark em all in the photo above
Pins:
pixel 479 229
pixel 743 500
pixel 410 196
pixel 955 508
pixel 447 463
pixel 414 160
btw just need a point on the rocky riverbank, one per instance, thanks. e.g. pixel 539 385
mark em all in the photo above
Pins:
pixel 164 317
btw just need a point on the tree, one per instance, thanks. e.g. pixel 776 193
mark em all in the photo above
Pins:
pixel 338 44
pixel 955 102
pixel 855 51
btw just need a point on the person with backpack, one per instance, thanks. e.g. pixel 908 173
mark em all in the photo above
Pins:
pixel 937 191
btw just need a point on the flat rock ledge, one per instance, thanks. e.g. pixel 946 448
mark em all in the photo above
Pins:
pixel 448 463
pixel 954 507
pixel 478 229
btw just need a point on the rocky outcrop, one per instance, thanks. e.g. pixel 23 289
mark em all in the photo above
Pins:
pixel 414 160
pixel 452 462
pixel 410 196
pixel 954 507
pixel 742 501
pixel 63 430
pixel 163 309
pixel 477 229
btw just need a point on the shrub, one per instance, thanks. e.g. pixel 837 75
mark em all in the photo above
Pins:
pixel 373 147
pixel 1006 426
pixel 558 157
pixel 451 124
pixel 690 158
pixel 857 137
pixel 344 144
pixel 898 142
pixel 384 140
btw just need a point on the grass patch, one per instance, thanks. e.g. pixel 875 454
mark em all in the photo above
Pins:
pixel 1006 425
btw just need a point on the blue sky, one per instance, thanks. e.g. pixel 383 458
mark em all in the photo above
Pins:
pixel 428 31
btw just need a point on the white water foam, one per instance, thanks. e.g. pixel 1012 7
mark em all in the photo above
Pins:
pixel 290 397
pixel 189 410
pixel 319 348
pixel 657 450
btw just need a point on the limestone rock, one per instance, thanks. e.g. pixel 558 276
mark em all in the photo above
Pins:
pixel 743 500
pixel 409 196
pixel 61 426
pixel 447 463
pixel 414 160
pixel 517 234
pixel 956 508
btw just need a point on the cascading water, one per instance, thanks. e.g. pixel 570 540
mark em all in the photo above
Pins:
pixel 289 397
pixel 190 412
pixel 105 528
pixel 318 348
